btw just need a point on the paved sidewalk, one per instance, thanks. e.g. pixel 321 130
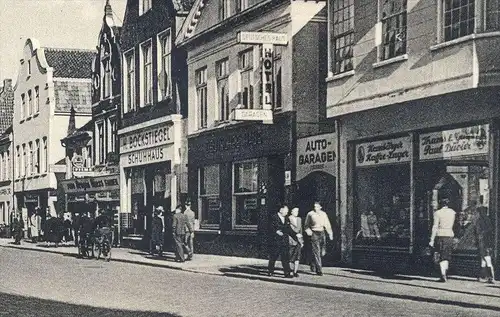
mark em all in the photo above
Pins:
pixel 459 291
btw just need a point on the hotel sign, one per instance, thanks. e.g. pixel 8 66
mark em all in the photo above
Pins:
pixel 384 152
pixel 468 141
pixel 262 38
pixel 317 153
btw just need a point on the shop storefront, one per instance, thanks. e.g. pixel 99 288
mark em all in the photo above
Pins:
pixel 5 203
pixel 395 181
pixel 90 194
pixel 236 181
pixel 149 166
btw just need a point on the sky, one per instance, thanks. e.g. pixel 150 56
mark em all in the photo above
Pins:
pixel 54 23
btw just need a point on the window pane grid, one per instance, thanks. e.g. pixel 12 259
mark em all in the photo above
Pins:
pixel 459 18
pixel 493 15
pixel 342 41
pixel 201 96
pixel 394 23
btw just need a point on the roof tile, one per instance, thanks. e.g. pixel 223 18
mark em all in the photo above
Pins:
pixel 70 63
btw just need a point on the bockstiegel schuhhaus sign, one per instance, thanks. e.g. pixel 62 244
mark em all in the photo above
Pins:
pixel 317 153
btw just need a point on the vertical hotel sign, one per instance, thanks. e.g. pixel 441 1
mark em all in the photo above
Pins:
pixel 267 76
pixel 469 141
pixel 384 152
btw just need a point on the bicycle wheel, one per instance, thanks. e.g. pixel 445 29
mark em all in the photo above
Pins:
pixel 97 250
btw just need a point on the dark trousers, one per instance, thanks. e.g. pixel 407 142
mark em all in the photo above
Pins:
pixel 179 246
pixel 318 242
pixel 275 252
pixel 76 237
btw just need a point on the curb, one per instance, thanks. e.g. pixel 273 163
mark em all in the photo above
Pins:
pixel 291 282
pixel 117 260
pixel 366 292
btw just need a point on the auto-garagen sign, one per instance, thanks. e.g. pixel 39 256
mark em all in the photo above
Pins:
pixel 317 153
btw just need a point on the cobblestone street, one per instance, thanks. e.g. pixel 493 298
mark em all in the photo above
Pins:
pixel 41 284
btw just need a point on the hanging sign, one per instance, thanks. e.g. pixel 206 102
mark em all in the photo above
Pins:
pixel 317 153
pixel 384 152
pixel 267 76
pixel 455 143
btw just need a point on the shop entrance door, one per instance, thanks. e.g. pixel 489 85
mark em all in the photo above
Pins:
pixel 321 187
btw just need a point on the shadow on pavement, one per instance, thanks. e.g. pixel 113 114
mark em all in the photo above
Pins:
pixel 260 273
pixel 16 305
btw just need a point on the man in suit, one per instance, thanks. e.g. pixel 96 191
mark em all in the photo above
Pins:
pixel 279 235
pixel 180 224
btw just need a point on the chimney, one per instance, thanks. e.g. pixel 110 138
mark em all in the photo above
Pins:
pixel 72 123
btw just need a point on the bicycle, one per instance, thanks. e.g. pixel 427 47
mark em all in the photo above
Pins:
pixel 102 245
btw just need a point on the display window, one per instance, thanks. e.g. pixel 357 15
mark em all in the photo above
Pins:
pixel 246 210
pixel 382 193
pixel 454 164
pixel 209 200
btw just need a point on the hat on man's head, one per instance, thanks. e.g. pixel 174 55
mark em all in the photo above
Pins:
pixel 159 209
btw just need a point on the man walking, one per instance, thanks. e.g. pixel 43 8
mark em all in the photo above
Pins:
pixel 280 233
pixel 180 225
pixel 190 237
pixel 316 224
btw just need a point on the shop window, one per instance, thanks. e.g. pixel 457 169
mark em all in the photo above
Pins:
pixel 222 75
pixel 138 208
pixel 164 78
pixel 382 199
pixel 458 18
pixel 209 200
pixel 18 162
pixel 245 62
pixel 246 211
pixel 393 18
pixel 201 97
pixel 492 15
pixel 342 36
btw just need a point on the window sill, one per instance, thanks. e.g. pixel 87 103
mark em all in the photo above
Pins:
pixel 207 231
pixel 36 114
pixel 22 121
pixel 464 39
pixel 332 77
pixel 396 59
pixel 28 118
pixel 237 231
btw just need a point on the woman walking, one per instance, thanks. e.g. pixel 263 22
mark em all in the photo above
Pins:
pixel 484 232
pixel 295 244
pixel 442 236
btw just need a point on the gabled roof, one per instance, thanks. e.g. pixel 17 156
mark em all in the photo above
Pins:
pixel 6 105
pixel 69 63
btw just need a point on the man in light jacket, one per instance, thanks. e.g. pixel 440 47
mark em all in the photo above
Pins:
pixel 190 237
pixel 316 224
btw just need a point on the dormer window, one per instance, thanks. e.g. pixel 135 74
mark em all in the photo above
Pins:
pixel 144 6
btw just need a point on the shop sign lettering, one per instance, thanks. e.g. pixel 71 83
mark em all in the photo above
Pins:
pixel 91 184
pixel 455 143
pixel 384 152
pixel 317 153
pixel 144 139
pixel 267 76
pixel 147 156
pixel 5 191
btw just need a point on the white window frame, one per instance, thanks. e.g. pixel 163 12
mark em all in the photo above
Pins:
pixel 37 99
pixel 37 157
pixel 234 195
pixel 345 35
pixel 25 160
pixel 129 105
pixel 442 22
pixel 23 105
pixel 222 78
pixel 202 196
pixel 30 103
pixel 145 6
pixel 164 63
pixel 100 144
pixel 242 5
pixel 383 20
pixel 30 159
pixel 201 78
pixel 142 46
pixel 106 89
pixel 7 165
pixel 112 134
pixel 45 155
pixel 246 66
pixel 224 9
